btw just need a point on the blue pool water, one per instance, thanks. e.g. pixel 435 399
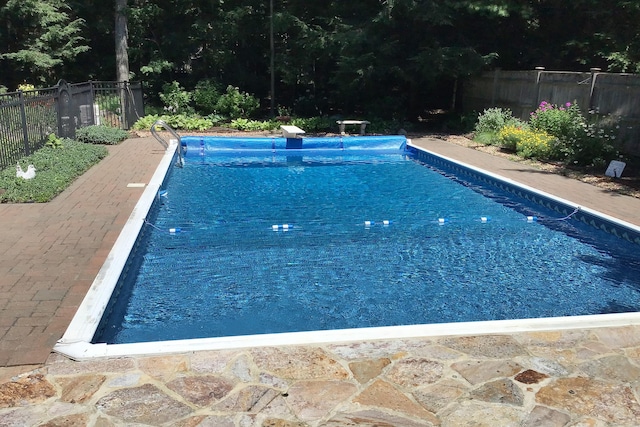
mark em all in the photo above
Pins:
pixel 252 238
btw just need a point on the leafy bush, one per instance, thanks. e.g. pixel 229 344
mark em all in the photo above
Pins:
pixel 494 119
pixel 579 142
pixel 313 124
pixel 176 121
pixel 254 125
pixel 56 169
pixel 528 143
pixel 235 104
pixel 175 98
pixel 101 135
pixel 206 96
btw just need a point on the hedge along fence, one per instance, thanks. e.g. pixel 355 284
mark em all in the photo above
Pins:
pixel 602 94
pixel 27 118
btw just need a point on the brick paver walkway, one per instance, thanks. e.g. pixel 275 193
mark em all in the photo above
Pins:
pixel 51 252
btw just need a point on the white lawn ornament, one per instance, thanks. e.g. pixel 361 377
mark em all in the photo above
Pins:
pixel 29 174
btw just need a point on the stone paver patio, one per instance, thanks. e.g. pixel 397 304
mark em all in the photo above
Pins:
pixel 50 253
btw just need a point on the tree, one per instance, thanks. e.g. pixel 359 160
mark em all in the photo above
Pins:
pixel 42 38
pixel 121 36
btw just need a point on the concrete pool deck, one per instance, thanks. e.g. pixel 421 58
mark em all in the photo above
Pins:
pixel 50 254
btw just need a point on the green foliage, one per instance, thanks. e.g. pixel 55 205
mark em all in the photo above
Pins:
pixel 101 135
pixel 494 119
pixel 206 96
pixel 56 169
pixel 253 125
pixel 528 143
pixel 579 141
pixel 41 36
pixel 176 100
pixel 313 124
pixel 235 104
pixel 176 121
pixel 54 142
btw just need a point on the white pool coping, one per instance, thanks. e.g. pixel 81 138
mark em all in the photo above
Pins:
pixel 76 342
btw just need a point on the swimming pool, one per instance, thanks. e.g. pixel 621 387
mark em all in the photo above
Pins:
pixel 350 240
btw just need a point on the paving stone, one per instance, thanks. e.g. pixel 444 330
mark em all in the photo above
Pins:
pixel 381 394
pixel 76 420
pixel 547 417
pixel 33 388
pixel 68 367
pixel 436 396
pixel 81 388
pixel 502 391
pixel 623 337
pixel 473 414
pixel 215 421
pixel 298 363
pixel 274 422
pixel 28 416
pixel 127 380
pixel 486 346
pixel 479 371
pixel 546 366
pixel 145 404
pixel 164 368
pixel 365 370
pixel 437 352
pixel 313 400
pixel 391 349
pixel 103 422
pixel 614 367
pixel 201 390
pixel 374 418
pixel 530 377
pixel 242 368
pixel 252 398
pixel 211 362
pixel 613 403
pixel 190 422
pixel 414 372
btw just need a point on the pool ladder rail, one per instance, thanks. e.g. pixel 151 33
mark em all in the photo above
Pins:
pixel 166 144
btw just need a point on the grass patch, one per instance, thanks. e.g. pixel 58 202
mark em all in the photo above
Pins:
pixel 56 168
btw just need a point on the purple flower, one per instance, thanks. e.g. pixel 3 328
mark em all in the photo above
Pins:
pixel 568 104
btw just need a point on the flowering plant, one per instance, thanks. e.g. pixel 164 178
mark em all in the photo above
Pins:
pixel 578 141
pixel 528 143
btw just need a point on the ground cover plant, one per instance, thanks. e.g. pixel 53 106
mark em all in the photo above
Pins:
pixel 57 166
pixel 101 135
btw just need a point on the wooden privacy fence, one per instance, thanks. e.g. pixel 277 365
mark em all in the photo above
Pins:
pixel 27 118
pixel 595 92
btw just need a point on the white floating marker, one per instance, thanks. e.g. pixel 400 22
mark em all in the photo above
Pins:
pixel 532 218
pixel 174 230
pixel 386 222
pixel 369 223
pixel 484 219
pixel 441 221
pixel 282 227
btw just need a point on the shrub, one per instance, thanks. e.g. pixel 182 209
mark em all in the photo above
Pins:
pixel 494 119
pixel 206 96
pixel 101 135
pixel 235 104
pixel 528 143
pixel 175 99
pixel 176 121
pixel 578 141
pixel 56 168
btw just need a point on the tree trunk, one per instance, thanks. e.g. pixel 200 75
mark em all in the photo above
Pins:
pixel 122 33
pixel 122 58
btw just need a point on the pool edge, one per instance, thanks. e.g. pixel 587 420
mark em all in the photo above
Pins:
pixel 76 341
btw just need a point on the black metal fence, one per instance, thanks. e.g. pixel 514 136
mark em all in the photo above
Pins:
pixel 27 118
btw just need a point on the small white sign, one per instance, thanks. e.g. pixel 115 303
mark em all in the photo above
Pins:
pixel 615 169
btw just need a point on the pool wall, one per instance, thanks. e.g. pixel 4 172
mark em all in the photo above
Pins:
pixel 76 342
